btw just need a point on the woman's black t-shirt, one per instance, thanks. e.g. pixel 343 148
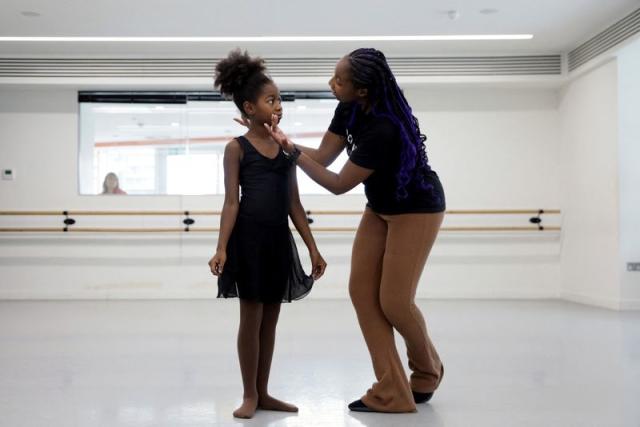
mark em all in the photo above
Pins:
pixel 373 142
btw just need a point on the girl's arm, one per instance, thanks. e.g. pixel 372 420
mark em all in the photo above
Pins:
pixel 300 221
pixel 330 148
pixel 231 162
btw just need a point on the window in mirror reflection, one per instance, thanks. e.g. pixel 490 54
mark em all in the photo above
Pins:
pixel 160 148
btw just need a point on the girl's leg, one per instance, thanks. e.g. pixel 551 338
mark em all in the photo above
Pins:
pixel 267 343
pixel 409 243
pixel 248 354
pixel 391 393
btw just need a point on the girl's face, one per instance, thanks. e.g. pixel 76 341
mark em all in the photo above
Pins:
pixel 342 85
pixel 267 104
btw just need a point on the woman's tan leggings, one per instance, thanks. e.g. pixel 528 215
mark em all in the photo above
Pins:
pixel 389 253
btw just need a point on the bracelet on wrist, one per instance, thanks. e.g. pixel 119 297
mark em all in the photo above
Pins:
pixel 294 154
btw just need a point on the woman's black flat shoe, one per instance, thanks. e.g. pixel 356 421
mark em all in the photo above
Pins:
pixel 421 397
pixel 359 406
pixel 425 397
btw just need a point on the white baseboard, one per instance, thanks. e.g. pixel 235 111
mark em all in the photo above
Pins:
pixel 601 301
pixel 608 303
pixel 326 294
pixel 632 304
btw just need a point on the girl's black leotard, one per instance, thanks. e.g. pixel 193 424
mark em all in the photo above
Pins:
pixel 262 259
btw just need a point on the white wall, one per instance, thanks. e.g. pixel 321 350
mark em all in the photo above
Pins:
pixel 629 172
pixel 589 163
pixel 494 147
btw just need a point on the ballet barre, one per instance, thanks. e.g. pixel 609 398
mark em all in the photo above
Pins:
pixel 69 222
pixel 315 212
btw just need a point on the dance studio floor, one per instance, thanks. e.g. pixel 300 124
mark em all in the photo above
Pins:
pixel 173 363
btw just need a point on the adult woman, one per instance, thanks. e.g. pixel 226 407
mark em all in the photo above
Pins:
pixel 404 212
pixel 111 184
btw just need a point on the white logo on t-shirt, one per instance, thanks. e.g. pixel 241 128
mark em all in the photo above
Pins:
pixel 350 141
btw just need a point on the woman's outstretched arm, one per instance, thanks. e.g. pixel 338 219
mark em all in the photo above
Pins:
pixel 338 183
pixel 330 148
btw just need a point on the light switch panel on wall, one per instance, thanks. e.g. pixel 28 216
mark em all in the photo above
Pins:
pixel 8 174
pixel 633 266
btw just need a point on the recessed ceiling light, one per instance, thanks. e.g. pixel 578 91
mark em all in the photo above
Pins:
pixel 445 37
pixel 488 11
pixel 29 13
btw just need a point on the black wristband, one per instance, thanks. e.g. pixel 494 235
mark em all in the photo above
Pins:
pixel 296 153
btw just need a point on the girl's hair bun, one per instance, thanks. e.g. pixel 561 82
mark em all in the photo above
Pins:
pixel 235 71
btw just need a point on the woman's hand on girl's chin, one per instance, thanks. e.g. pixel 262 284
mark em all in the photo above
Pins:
pixel 278 135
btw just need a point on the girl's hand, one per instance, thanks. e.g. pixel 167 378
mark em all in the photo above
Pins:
pixel 278 135
pixel 318 265
pixel 216 263
pixel 244 121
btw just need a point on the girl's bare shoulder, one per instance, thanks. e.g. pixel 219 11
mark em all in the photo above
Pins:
pixel 233 149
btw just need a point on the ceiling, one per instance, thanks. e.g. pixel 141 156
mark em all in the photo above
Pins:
pixel 557 26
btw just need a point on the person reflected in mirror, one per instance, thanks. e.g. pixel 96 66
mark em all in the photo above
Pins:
pixel 111 184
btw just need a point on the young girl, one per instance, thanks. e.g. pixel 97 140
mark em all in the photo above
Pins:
pixel 256 258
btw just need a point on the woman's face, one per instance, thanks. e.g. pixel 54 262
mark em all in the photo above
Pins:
pixel 341 84
pixel 267 104
pixel 111 182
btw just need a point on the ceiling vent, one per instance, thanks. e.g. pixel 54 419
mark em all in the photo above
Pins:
pixel 615 34
pixel 278 67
